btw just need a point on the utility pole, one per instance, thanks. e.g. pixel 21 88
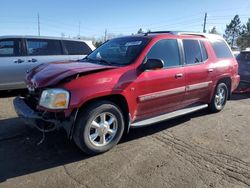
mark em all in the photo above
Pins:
pixel 105 35
pixel 204 24
pixel 38 24
pixel 79 30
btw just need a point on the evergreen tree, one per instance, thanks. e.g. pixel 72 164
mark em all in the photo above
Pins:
pixel 244 40
pixel 140 31
pixel 98 43
pixel 214 30
pixel 233 30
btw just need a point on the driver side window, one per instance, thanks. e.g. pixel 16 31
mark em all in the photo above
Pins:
pixel 166 50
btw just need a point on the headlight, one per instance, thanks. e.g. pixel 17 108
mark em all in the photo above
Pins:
pixel 54 99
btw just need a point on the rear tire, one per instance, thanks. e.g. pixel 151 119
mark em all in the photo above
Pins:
pixel 99 127
pixel 220 97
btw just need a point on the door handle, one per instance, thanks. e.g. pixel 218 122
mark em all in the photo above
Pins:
pixel 210 70
pixel 19 61
pixel 32 60
pixel 178 75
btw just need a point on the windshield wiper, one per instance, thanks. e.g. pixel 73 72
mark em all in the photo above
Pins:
pixel 104 61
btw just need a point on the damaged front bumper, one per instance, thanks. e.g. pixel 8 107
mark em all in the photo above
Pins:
pixel 39 121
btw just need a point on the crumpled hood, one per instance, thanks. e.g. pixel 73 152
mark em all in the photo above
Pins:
pixel 50 74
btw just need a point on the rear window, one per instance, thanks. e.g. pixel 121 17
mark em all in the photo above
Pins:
pixel 44 47
pixel 244 56
pixel 10 47
pixel 77 48
pixel 221 49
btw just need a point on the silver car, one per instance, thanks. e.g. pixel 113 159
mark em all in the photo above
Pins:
pixel 21 53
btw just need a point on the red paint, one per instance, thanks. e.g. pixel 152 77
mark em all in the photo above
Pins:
pixel 132 84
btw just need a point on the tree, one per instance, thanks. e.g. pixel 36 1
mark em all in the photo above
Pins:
pixel 214 30
pixel 244 40
pixel 140 31
pixel 233 30
pixel 98 43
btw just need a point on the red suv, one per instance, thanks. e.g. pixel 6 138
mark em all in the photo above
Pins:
pixel 129 82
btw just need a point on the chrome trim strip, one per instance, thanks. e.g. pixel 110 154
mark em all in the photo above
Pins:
pixel 198 86
pixel 164 93
pixel 167 116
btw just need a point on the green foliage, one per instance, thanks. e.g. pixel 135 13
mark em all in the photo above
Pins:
pixel 98 43
pixel 214 31
pixel 140 31
pixel 244 40
pixel 233 30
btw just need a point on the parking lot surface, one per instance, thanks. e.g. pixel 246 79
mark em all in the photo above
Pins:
pixel 197 150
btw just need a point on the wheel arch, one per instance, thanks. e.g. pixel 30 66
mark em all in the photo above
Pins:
pixel 117 99
pixel 227 80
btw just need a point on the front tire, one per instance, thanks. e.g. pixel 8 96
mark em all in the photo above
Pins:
pixel 219 99
pixel 99 127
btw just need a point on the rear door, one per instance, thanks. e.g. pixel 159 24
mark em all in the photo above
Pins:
pixel 44 51
pixel 76 49
pixel 161 91
pixel 198 71
pixel 13 64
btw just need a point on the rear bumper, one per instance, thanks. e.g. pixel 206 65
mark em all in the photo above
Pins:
pixel 243 87
pixel 35 119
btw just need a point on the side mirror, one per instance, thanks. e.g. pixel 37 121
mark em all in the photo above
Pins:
pixel 152 64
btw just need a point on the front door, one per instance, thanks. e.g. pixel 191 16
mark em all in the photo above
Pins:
pixel 160 91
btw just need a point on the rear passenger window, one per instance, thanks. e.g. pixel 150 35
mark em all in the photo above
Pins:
pixel 77 48
pixel 166 50
pixel 44 47
pixel 221 49
pixel 10 47
pixel 192 51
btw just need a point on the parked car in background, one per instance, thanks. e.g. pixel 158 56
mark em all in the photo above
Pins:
pixel 244 71
pixel 130 82
pixel 21 53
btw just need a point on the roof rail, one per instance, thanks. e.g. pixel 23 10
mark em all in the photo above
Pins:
pixel 178 33
pixel 159 32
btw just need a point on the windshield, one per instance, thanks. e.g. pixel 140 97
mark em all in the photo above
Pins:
pixel 120 51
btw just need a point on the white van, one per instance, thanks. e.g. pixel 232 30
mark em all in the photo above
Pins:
pixel 21 53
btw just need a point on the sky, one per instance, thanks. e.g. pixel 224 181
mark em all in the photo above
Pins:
pixel 91 18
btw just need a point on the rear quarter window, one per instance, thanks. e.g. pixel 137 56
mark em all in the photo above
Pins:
pixel 221 49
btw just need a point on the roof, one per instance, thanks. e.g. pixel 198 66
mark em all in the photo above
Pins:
pixel 39 37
